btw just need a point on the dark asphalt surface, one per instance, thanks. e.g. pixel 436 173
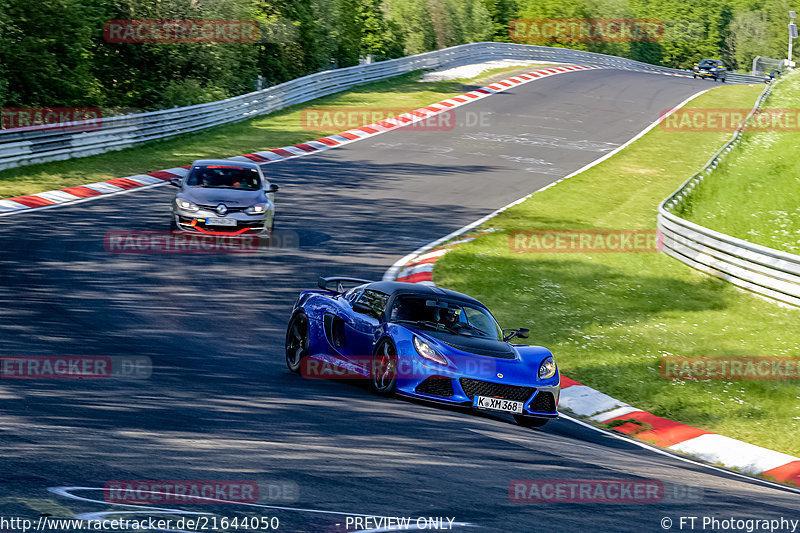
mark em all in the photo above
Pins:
pixel 220 403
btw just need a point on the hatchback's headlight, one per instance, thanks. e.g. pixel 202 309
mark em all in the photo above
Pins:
pixel 426 351
pixel 184 204
pixel 256 209
pixel 548 368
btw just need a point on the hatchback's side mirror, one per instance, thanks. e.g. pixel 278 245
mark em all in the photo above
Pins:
pixel 522 333
pixel 175 182
pixel 273 188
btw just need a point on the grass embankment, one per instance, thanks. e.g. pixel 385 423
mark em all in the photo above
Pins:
pixel 610 318
pixel 281 128
pixel 754 194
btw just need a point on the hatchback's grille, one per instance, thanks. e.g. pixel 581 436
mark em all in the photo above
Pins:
pixel 474 387
pixel 214 208
pixel 436 386
pixel 544 402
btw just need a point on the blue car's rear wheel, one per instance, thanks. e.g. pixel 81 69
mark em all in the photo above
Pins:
pixel 383 371
pixel 297 341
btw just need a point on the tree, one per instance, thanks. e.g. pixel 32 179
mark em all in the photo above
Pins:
pixel 379 38
pixel 748 37
pixel 47 52
pixel 413 17
pixel 501 12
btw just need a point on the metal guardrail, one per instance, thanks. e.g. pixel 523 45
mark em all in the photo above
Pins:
pixel 766 271
pixel 83 138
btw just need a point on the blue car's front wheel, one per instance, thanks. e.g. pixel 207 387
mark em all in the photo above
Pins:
pixel 383 370
pixel 297 341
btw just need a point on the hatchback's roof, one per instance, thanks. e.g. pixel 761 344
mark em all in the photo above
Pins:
pixel 224 162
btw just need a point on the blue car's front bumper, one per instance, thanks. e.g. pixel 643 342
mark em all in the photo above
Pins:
pixel 488 377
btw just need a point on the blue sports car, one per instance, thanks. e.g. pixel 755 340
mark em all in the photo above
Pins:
pixel 420 341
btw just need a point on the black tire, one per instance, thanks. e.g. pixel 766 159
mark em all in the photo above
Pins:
pixel 173 226
pixel 297 342
pixel 383 370
pixel 530 421
pixel 694 76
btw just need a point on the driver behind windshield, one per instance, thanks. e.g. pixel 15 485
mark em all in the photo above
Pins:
pixel 443 316
pixel 224 178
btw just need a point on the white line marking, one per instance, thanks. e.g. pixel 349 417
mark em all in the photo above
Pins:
pixel 146 509
pixel 661 451
pixel 391 273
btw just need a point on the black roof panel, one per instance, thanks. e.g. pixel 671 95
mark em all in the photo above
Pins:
pixel 393 287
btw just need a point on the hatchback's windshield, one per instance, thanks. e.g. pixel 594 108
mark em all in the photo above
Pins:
pixel 453 317
pixel 708 63
pixel 224 177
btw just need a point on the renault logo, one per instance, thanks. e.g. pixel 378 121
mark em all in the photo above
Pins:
pixel 499 375
pixel 222 210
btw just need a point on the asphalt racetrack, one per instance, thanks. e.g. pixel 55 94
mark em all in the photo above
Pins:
pixel 220 403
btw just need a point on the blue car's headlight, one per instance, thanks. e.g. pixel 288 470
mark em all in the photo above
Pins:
pixel 256 209
pixel 184 204
pixel 548 368
pixel 426 351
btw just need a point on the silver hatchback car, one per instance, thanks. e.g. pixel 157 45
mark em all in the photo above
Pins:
pixel 224 197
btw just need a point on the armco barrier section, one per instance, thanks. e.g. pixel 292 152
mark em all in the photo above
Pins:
pixel 760 269
pixel 51 143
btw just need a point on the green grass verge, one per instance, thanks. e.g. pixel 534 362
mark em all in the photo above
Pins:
pixel 610 318
pixel 282 128
pixel 754 194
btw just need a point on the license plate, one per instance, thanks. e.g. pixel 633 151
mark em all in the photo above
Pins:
pixel 220 222
pixel 497 404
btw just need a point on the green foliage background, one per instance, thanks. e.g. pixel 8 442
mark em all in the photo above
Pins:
pixel 52 52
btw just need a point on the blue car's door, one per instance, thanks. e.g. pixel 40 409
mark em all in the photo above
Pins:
pixel 362 325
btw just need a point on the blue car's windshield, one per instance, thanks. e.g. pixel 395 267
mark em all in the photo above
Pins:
pixel 224 177
pixel 454 317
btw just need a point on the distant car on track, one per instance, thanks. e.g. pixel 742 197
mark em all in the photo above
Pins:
pixel 769 78
pixel 710 68
pixel 423 342
pixel 224 197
